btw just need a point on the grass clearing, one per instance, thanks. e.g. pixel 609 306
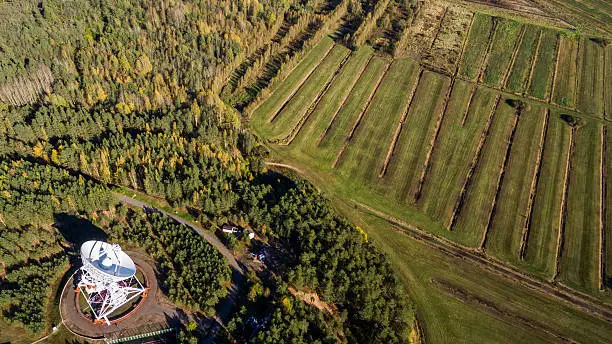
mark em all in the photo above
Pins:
pixel 283 91
pixel 334 98
pixel 507 34
pixel 364 155
pixel 519 74
pixel 445 318
pixel 474 213
pixel 507 224
pixel 412 144
pixel 477 44
pixel 456 147
pixel 293 111
pixel 541 78
pixel 544 224
pixel 565 91
pixel 579 263
pixel 335 136
pixel 590 90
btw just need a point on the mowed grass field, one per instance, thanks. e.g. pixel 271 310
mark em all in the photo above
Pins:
pixel 505 158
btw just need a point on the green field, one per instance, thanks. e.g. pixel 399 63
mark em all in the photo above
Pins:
pixel 519 75
pixel 565 83
pixel 579 263
pixel 507 34
pixel 504 239
pixel 484 163
pixel 544 66
pixel 590 90
pixel 478 41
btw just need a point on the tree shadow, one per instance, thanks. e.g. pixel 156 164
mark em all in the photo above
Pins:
pixel 76 230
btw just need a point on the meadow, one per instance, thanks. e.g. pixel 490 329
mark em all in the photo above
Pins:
pixel 506 155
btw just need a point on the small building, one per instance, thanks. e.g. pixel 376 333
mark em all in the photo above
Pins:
pixel 229 229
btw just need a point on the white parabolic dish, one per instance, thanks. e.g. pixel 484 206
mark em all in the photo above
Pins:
pixel 108 259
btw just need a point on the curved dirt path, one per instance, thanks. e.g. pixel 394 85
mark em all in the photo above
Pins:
pixel 238 270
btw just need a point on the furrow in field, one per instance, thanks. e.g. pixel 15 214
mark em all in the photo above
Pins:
pixel 507 34
pixel 516 188
pixel 555 70
pixel 358 99
pixel 517 48
pixel 361 113
pixel 607 261
pixel 533 61
pixel 463 47
pixel 580 264
pixel 539 86
pixel 521 68
pixel 543 228
pixel 590 99
pixel 563 212
pixel 438 28
pixel 292 110
pixel 469 103
pixel 475 209
pixel 398 130
pixel 500 180
pixel 602 210
pixel 607 87
pixel 295 130
pixel 478 42
pixel 285 89
pixel 418 128
pixel 432 143
pixel 564 86
pixel 455 148
pixel 474 163
pixel 332 100
pixel 485 60
pixel 364 154
pixel 533 189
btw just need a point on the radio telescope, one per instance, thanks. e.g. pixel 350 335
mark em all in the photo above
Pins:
pixel 108 279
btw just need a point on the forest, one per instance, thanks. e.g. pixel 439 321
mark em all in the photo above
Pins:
pixel 126 93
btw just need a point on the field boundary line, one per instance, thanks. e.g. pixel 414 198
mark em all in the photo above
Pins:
pixel 315 102
pixel 364 109
pixel 400 124
pixel 563 212
pixel 341 105
pixel 432 142
pixel 534 58
pixel 301 83
pixel 435 37
pixel 469 103
pixel 602 208
pixel 485 60
pixel 466 182
pixel 464 45
pixel 517 47
pixel 500 178
pixel 583 302
pixel 578 72
pixel 533 188
pixel 551 95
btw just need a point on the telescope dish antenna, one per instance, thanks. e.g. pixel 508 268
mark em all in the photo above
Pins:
pixel 108 278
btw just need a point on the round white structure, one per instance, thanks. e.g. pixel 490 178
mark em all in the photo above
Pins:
pixel 108 278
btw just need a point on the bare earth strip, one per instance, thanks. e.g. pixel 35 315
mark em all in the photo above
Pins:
pixel 533 61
